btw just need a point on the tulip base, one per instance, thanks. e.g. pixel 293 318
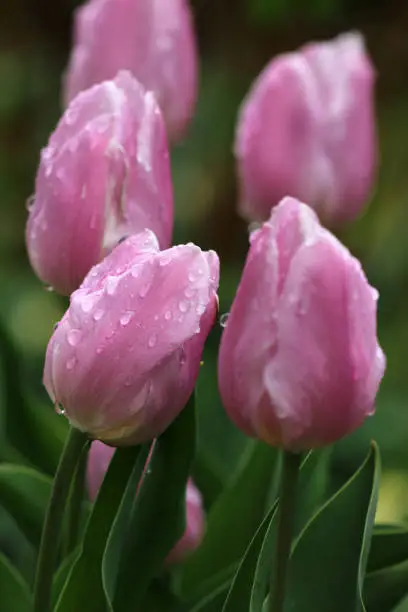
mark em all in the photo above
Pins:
pixel 53 520
pixel 286 510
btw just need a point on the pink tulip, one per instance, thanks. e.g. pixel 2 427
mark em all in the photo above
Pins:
pixel 99 459
pixel 105 174
pixel 154 39
pixel 299 363
pixel 125 357
pixel 307 129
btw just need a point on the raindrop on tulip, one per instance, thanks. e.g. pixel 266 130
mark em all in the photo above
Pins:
pixel 152 341
pixel 73 337
pixel 58 408
pixel 30 202
pixel 183 306
pixel 98 314
pixel 126 318
pixel 71 363
pixel 224 319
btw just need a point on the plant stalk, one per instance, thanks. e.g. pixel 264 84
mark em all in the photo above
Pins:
pixel 287 502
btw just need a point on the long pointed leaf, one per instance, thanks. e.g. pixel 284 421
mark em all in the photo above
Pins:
pixel 24 493
pixel 14 593
pixel 233 520
pixel 328 557
pixel 158 519
pixel 84 583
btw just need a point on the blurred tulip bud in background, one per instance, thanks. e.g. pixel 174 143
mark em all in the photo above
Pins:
pixel 153 39
pixel 307 130
pixel 125 357
pixel 99 458
pixel 105 174
pixel 300 363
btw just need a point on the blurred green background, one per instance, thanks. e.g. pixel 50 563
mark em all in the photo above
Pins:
pixel 236 39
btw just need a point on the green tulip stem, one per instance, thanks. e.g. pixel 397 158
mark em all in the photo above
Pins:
pixel 52 527
pixel 286 510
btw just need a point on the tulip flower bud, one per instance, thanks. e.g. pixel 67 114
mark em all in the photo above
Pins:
pixel 99 458
pixel 299 362
pixel 153 39
pixel 125 357
pixel 307 130
pixel 105 174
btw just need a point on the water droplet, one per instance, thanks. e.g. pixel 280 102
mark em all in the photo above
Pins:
pixel 111 284
pixel 183 357
pixel 183 306
pixel 200 309
pixel 253 227
pixel 99 350
pixel 152 341
pixel 167 315
pixel 98 314
pixel 87 302
pixel 30 202
pixel 49 288
pixel 83 192
pixel 143 290
pixel 73 337
pixel 126 318
pixel 164 260
pixel 110 333
pixel 189 292
pixel 192 276
pixel 58 408
pixel 71 363
pixel 224 319
pixel 71 115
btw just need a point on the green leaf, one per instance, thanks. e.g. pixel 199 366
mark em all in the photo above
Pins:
pixel 312 492
pixel 212 602
pixel 334 544
pixel 120 526
pixel 389 546
pixel 14 592
pixel 24 494
pixel 158 518
pixel 232 521
pixel 62 574
pixel 35 431
pixel 385 588
pixel 238 597
pixel 85 576
pixel 247 592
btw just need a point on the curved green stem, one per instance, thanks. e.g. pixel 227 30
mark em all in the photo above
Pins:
pixel 53 519
pixel 289 478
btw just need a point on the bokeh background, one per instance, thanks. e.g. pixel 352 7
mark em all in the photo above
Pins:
pixel 236 39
